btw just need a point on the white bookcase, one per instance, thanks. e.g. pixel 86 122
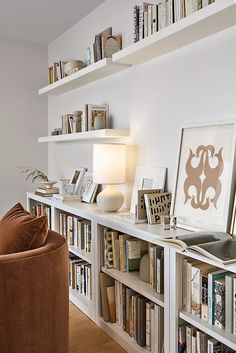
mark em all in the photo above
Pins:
pixel 212 19
pixel 171 300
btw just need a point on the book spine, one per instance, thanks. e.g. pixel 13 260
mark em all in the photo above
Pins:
pixel 141 22
pixel 210 297
pixel 189 288
pixel 145 16
pixel 149 22
pixel 154 18
pixel 219 298
pixel 234 306
pixel 188 339
pixel 136 23
pixel 148 326
pixel 204 311
pixel 229 304
pixel 184 287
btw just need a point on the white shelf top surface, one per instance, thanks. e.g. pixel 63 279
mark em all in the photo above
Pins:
pixel 211 19
pixel 151 233
pixel 92 73
pixel 87 136
pixel 132 280
pixel 229 339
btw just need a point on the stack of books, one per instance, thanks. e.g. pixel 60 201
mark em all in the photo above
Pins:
pixel 150 18
pixel 40 210
pixel 46 192
pixel 192 340
pixel 124 253
pixel 139 317
pixel 80 277
pixel 76 231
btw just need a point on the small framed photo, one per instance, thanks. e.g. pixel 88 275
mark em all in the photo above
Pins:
pixel 77 178
pixel 205 177
pixel 97 116
pixel 88 188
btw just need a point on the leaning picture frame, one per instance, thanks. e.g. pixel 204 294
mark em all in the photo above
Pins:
pixel 77 178
pixel 88 188
pixel 205 177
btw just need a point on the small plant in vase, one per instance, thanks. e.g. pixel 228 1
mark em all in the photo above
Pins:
pixel 35 174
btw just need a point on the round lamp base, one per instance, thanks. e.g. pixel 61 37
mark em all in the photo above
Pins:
pixel 110 199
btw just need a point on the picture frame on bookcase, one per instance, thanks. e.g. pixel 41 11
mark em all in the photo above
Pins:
pixel 88 188
pixel 77 178
pixel 205 177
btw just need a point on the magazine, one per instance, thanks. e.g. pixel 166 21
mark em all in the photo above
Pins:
pixel 217 246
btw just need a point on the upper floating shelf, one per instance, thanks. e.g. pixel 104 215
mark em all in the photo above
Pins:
pixel 94 72
pixel 87 136
pixel 210 20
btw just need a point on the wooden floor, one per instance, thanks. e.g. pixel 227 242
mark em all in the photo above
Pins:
pixel 86 337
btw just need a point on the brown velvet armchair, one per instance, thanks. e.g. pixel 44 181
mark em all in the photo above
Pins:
pixel 34 302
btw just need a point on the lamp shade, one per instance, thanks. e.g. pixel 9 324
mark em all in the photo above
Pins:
pixel 109 164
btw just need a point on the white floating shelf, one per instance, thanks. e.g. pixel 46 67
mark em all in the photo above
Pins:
pixel 210 20
pixel 94 72
pixel 229 339
pixel 87 136
pixel 132 280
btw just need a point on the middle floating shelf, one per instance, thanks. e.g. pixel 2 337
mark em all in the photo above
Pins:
pixel 94 135
pixel 92 73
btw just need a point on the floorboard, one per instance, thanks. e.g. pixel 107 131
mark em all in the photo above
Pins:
pixel 86 336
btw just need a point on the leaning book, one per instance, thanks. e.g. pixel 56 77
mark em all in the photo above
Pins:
pixel 217 246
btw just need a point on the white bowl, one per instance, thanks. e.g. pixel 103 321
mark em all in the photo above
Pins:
pixel 73 66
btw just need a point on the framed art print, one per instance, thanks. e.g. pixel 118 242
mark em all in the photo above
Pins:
pixel 77 178
pixel 205 177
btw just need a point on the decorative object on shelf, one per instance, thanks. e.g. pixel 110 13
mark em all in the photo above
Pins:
pixel 147 178
pixel 96 116
pixel 109 167
pixel 165 222
pixel 157 205
pixel 88 56
pixel 88 188
pixel 67 197
pixel 34 174
pixel 205 176
pixel 56 132
pixel 111 45
pixel 48 184
pixel 141 208
pixel 76 179
pixel 144 268
pixel 70 67
pixel 72 123
pixel 62 183
pixel 173 222
pixel 97 46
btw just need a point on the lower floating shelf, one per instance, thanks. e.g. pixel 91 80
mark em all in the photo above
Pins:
pixel 229 339
pixel 132 280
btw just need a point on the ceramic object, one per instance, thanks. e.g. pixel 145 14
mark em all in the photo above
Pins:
pixel 73 66
pixel 110 199
pixel 48 184
pixel 144 268
pixel 99 122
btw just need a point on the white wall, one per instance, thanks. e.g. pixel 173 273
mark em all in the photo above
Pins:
pixel 193 84
pixel 23 116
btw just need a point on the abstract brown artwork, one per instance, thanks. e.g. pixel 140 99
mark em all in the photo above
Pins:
pixel 203 168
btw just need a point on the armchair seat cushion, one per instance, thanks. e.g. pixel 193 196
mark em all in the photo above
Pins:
pixel 20 231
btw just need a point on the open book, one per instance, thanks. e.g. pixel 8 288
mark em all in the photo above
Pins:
pixel 217 246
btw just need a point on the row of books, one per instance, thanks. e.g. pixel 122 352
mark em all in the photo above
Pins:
pixel 76 230
pixel 192 340
pixel 150 18
pixel 41 210
pixel 209 293
pixel 124 253
pixel 56 72
pixel 80 277
pixel 139 317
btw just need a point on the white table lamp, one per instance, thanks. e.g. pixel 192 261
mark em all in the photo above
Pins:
pixel 109 168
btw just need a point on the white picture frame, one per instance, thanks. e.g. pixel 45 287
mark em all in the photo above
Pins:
pixel 147 178
pixel 205 177
pixel 77 178
pixel 88 188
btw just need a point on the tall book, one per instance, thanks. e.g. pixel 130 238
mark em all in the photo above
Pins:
pixel 105 281
pixel 219 300
pixel 212 277
pixel 111 303
pixel 133 254
pixel 122 246
pixel 229 300
pixel 136 23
